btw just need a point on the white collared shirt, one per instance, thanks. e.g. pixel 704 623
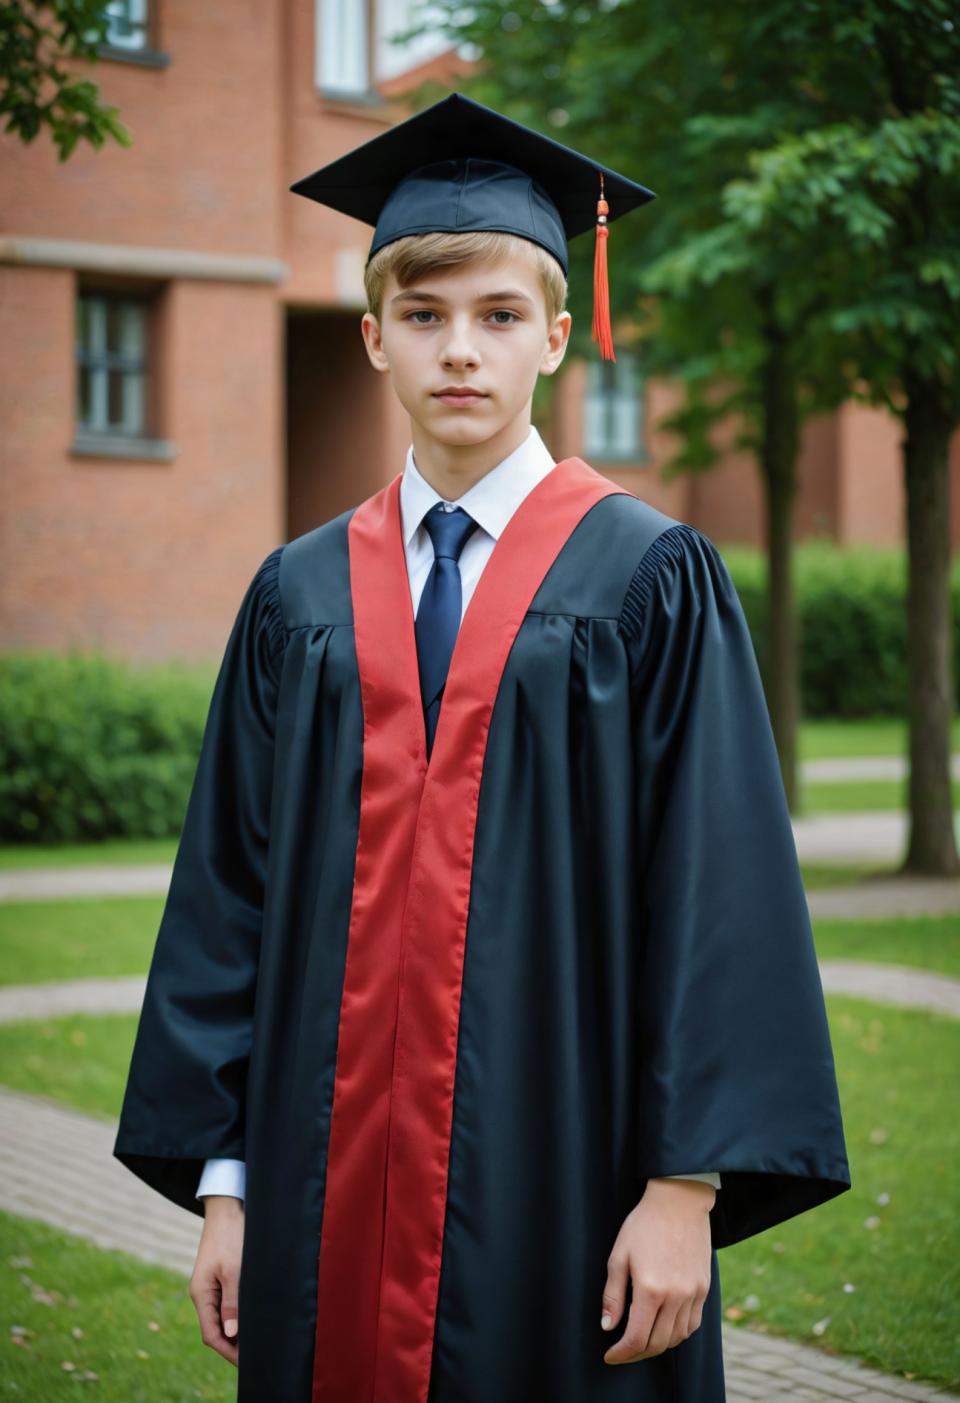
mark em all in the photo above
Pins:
pixel 491 502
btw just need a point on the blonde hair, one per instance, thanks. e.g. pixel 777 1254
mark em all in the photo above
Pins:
pixel 417 255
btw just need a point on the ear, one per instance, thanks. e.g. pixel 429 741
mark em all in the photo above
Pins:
pixel 557 338
pixel 373 341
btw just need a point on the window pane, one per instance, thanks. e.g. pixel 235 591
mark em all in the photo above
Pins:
pixel 84 395
pixel 342 45
pixel 98 399
pixel 96 325
pixel 131 330
pixel 115 404
pixel 593 435
pixel 133 420
pixel 113 327
pixel 127 27
pixel 613 408
pixel 625 426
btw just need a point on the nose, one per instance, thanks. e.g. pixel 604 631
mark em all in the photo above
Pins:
pixel 459 347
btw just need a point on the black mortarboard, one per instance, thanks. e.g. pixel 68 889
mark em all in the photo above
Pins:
pixel 460 166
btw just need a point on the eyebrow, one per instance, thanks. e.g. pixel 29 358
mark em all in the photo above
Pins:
pixel 510 294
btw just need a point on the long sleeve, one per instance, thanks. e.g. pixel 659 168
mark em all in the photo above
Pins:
pixel 184 1099
pixel 707 1178
pixel 736 1064
pixel 223 1176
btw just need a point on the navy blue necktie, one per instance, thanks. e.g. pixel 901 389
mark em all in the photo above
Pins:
pixel 438 615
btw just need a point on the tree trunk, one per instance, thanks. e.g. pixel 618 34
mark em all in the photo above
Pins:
pixel 932 847
pixel 778 463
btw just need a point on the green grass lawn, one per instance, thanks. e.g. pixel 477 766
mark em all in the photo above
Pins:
pixel 77 938
pixel 81 1060
pixel 858 796
pixel 893 1236
pixel 125 850
pixel 923 942
pixel 817 875
pixel 897 1074
pixel 821 740
pixel 66 1302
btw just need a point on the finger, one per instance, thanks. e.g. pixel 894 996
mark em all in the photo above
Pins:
pixel 229 1314
pixel 662 1332
pixel 614 1291
pixel 681 1324
pixel 644 1305
pixel 207 1302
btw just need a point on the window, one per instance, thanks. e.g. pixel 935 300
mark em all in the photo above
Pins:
pixel 344 49
pixel 128 24
pixel 397 16
pixel 613 409
pixel 112 364
pixel 342 59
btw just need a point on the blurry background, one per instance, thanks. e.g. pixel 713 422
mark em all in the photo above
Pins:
pixel 183 386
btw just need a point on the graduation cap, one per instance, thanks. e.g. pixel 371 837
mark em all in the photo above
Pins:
pixel 460 166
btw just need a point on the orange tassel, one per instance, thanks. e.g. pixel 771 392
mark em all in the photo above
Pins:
pixel 601 287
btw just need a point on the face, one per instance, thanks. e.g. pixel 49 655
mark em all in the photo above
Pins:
pixel 480 328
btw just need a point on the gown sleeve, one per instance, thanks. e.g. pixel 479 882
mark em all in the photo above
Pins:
pixel 736 1067
pixel 184 1097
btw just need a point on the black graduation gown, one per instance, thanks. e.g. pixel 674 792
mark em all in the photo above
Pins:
pixel 454 1015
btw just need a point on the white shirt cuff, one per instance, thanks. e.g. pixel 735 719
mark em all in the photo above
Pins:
pixel 710 1178
pixel 223 1176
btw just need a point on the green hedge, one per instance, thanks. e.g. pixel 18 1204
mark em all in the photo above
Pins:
pixel 852 629
pixel 91 747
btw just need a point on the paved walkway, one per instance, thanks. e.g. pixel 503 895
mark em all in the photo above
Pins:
pixel 829 839
pixel 862 767
pixel 839 839
pixel 903 985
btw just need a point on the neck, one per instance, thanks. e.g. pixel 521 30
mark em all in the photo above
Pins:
pixel 452 469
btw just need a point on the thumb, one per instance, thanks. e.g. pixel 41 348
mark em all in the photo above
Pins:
pixel 614 1292
pixel 228 1309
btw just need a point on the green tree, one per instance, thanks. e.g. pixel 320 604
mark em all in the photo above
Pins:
pixel 750 296
pixel 871 195
pixel 37 90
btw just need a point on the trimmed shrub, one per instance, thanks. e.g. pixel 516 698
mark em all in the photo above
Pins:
pixel 92 747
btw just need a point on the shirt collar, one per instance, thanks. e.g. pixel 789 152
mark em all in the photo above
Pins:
pixel 491 501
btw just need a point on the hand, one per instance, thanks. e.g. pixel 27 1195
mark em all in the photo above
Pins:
pixel 664 1246
pixel 215 1283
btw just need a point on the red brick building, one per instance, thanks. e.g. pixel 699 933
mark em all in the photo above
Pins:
pixel 182 379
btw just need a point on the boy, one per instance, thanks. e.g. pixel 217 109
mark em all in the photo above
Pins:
pixel 486 954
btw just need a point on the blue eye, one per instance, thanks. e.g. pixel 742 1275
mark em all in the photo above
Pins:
pixel 425 312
